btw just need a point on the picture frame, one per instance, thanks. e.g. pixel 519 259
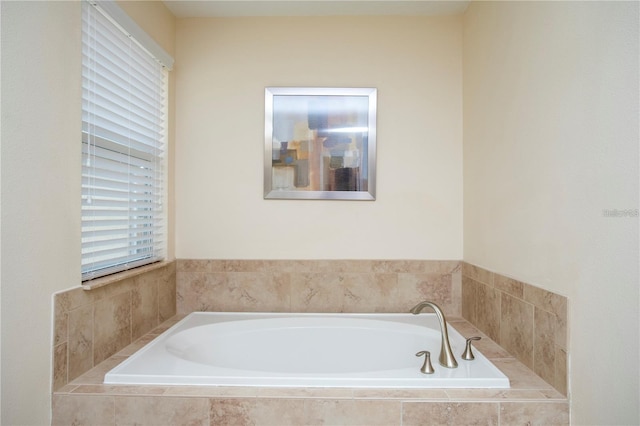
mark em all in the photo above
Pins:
pixel 320 143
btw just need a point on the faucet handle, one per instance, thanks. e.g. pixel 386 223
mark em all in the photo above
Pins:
pixel 468 353
pixel 427 368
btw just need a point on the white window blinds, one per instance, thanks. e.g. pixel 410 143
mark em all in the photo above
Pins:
pixel 123 109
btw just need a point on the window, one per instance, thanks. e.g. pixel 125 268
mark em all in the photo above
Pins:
pixel 123 135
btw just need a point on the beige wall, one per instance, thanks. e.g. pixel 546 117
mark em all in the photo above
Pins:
pixel 550 141
pixel 41 122
pixel 223 66
pixel 40 193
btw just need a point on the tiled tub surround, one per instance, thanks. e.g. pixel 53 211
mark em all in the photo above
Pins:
pixel 91 326
pixel 530 400
pixel 316 285
pixel 529 322
pixel 95 321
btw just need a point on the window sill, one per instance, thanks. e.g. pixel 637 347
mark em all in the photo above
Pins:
pixel 119 276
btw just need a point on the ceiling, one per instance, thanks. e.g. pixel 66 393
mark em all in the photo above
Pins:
pixel 235 8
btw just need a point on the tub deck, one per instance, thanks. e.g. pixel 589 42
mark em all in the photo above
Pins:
pixel 86 400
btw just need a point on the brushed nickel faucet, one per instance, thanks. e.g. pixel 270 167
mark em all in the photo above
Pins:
pixel 446 358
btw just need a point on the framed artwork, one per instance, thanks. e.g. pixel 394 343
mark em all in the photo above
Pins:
pixel 320 143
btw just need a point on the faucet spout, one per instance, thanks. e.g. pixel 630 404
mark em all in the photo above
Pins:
pixel 446 358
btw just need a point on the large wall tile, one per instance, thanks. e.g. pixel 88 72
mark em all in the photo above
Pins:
pixel 167 294
pixel 80 343
pixel 544 352
pixel 351 412
pixel 530 413
pixel 144 304
pixel 469 297
pixel 488 311
pixel 229 292
pixel 147 410
pixel 60 373
pixel 477 273
pixel 450 413
pixel 257 412
pixel 82 410
pixel 561 377
pixel 516 331
pixel 433 287
pixel 508 285
pixel 112 326
pixel 342 292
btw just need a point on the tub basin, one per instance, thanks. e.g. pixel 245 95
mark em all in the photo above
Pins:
pixel 304 350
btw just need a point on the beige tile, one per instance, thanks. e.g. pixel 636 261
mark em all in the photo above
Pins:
pixel 338 265
pixel 431 394
pixel 485 345
pixel 544 349
pixel 417 266
pixel 233 265
pixel 134 410
pixel 456 293
pixel 562 340
pixel 436 288
pixel 114 289
pixel 497 394
pixel 256 411
pixel 534 413
pixel 265 392
pixel 212 391
pixel 450 413
pixel 256 292
pixel 469 297
pixel 167 324
pixel 516 328
pixel 508 285
pixel 60 321
pixel 561 375
pixel 66 389
pixel 233 291
pixel 144 304
pixel 352 412
pixel 477 273
pixel 553 394
pixel 192 265
pixel 100 389
pixel 488 311
pixel 546 300
pixel 194 290
pixel 342 292
pixel 81 341
pixel 520 377
pixel 82 410
pixel 136 346
pixel 112 326
pixel 401 292
pixel 95 375
pixel 62 301
pixel 60 366
pixel 167 294
pixel 290 266
pixel 72 299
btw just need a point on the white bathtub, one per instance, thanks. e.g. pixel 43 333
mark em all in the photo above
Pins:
pixel 304 350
